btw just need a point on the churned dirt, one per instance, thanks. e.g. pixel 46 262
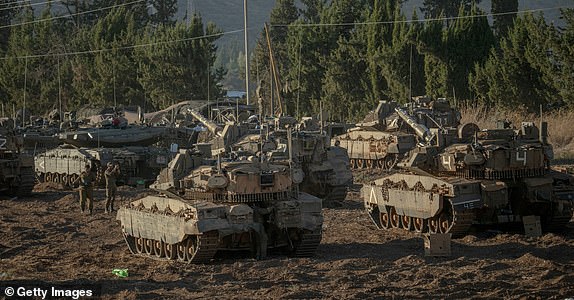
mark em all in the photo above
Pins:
pixel 45 239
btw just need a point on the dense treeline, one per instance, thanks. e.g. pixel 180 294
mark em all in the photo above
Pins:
pixel 133 53
pixel 343 55
pixel 348 54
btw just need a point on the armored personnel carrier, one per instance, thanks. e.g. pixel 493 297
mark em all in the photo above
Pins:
pixel 455 179
pixel 65 164
pixel 384 138
pixel 16 167
pixel 242 205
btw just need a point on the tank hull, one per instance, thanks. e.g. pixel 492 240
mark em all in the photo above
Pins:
pixel 196 230
pixel 431 204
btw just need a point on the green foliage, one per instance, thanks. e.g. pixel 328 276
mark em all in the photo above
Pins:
pixel 503 19
pixel 176 71
pixel 513 75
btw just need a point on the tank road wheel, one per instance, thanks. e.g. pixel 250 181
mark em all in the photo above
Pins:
pixel 395 219
pixel 181 251
pixel 148 246
pixel 190 248
pixel 390 161
pixel 353 163
pixel 360 164
pixel 139 245
pixel 56 178
pixel 381 163
pixel 370 163
pixel 406 222
pixel 384 219
pixel 170 251
pixel 433 224
pixel 158 248
pixel 73 179
pixel 445 222
pixel 48 177
pixel 65 179
pixel 419 225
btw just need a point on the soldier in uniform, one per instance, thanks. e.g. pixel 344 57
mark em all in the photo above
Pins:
pixel 86 181
pixel 260 216
pixel 112 173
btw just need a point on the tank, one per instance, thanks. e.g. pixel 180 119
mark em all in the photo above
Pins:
pixel 242 205
pixel 384 137
pixel 137 164
pixel 16 167
pixel 327 172
pixel 459 177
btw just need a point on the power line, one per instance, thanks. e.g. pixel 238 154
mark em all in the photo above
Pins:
pixel 22 4
pixel 422 20
pixel 70 15
pixel 121 48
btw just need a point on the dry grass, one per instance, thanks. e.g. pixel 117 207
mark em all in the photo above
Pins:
pixel 560 124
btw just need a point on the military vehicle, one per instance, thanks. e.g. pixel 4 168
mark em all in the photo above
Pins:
pixel 384 138
pixel 240 205
pixel 457 178
pixel 65 164
pixel 326 168
pixel 16 167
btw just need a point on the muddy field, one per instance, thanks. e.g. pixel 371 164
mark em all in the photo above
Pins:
pixel 44 239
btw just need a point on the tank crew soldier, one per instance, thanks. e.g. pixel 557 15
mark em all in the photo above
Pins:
pixel 260 216
pixel 86 181
pixel 112 173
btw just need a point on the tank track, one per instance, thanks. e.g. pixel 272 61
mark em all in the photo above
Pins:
pixel 387 162
pixel 558 222
pixel 198 249
pixel 307 244
pixel 458 224
pixel 27 180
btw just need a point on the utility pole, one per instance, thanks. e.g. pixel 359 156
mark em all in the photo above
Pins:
pixel 246 51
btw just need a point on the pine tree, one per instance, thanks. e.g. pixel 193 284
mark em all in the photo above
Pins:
pixel 503 16
pixel 164 11
pixel 509 77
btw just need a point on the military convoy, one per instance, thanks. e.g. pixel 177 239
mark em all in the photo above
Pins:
pixel 457 177
pixel 16 167
pixel 237 205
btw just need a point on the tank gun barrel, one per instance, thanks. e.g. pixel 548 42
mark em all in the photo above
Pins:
pixel 421 130
pixel 213 128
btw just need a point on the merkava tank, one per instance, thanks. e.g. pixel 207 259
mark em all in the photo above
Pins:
pixel 326 168
pixel 240 205
pixel 384 138
pixel 66 163
pixel 458 178
pixel 16 167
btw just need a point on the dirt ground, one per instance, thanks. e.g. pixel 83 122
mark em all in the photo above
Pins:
pixel 45 239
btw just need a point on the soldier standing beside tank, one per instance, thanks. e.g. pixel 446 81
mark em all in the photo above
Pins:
pixel 112 173
pixel 86 181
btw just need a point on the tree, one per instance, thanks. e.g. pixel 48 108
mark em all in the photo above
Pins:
pixel 164 11
pixel 504 12
pixel 451 52
pixel 8 9
pixel 447 8
pixel 509 78
pixel 174 71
